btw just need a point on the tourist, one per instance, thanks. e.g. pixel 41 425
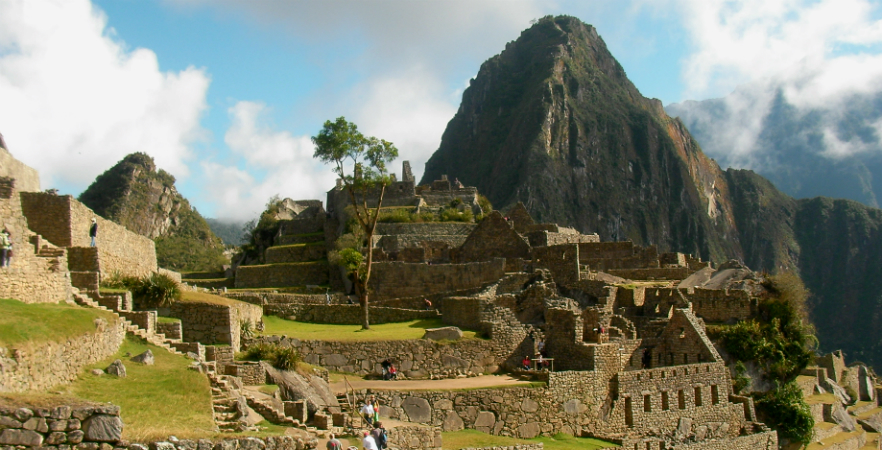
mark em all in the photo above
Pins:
pixel 379 435
pixel 6 247
pixel 386 364
pixel 541 362
pixel 368 442
pixel 93 231
pixel 457 184
pixel 526 362
pixel 368 412
pixel 540 347
pixel 376 404
pixel 334 443
pixel 393 372
pixel 428 304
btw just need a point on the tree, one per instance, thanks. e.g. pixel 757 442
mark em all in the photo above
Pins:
pixel 360 162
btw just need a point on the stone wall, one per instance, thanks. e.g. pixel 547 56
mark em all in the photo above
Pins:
pixel 414 358
pixel 346 314
pixel 28 426
pixel 40 366
pixel 425 229
pixel 391 280
pixel 763 440
pixel 282 275
pixel 83 259
pixel 562 260
pixel 251 373
pixel 35 274
pixel 171 330
pixel 657 273
pixel 209 323
pixel 494 237
pixel 295 253
pixel 26 178
pixel 409 437
pixel 714 305
pixel 65 222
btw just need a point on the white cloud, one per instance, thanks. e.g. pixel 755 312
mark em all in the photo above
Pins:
pixel 408 109
pixel 284 160
pixel 75 101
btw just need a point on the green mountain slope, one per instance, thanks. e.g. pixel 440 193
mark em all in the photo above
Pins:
pixel 136 195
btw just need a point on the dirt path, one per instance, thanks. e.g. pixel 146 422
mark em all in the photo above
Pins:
pixel 446 384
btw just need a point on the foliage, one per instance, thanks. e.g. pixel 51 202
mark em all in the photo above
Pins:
pixel 741 380
pixel 785 410
pixel 116 280
pixel 360 162
pixel 780 340
pixel 282 358
pixel 485 204
pixel 247 329
pixel 156 290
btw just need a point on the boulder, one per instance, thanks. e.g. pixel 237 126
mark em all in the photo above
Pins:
pixel 26 438
pixel 845 420
pixel 116 368
pixel 528 430
pixel 103 428
pixel 313 390
pixel 452 422
pixel 417 409
pixel 144 358
pixel 450 333
pixel 485 421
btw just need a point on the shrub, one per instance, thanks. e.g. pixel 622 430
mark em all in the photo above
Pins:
pixel 785 410
pixel 116 280
pixel 259 352
pixel 247 329
pixel 285 358
pixel 155 290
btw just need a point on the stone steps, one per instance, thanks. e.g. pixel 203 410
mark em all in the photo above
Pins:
pixel 841 441
pixel 861 408
pixel 269 411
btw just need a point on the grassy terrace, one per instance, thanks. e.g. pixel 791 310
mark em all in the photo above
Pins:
pixel 202 297
pixel 45 322
pixel 155 401
pixel 473 438
pixel 413 329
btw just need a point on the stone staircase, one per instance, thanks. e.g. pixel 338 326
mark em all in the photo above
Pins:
pixel 156 339
pixel 269 411
pixel 227 403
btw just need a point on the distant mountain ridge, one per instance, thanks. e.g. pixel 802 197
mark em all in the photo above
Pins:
pixel 834 150
pixel 137 195
pixel 553 122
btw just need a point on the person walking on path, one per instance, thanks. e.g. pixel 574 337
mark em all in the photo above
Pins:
pixel 379 435
pixel 93 231
pixel 5 247
pixel 368 442
pixel 334 443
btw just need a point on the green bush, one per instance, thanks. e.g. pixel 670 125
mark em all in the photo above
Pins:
pixel 117 280
pixel 785 410
pixel 282 358
pixel 156 290
pixel 285 358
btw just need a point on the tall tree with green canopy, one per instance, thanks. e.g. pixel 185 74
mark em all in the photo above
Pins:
pixel 361 163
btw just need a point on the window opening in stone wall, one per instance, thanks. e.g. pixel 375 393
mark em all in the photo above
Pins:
pixel 715 395
pixel 649 446
pixel 665 405
pixel 681 399
pixel 685 358
pixel 629 414
pixel 647 403
pixel 697 395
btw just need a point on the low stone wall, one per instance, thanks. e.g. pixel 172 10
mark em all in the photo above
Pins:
pixel 346 314
pixel 79 426
pixel 83 259
pixel 264 298
pixel 35 280
pixel 398 279
pixel 762 440
pixel 413 437
pixel 35 367
pixel 171 330
pixel 414 358
pixel 662 273
pixel 538 446
pixel 251 373
pixel 425 229
pixel 295 253
pixel 282 275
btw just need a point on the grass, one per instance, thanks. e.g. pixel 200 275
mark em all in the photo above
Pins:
pixel 303 244
pixel 474 438
pixel 162 319
pixel 269 389
pixel 202 297
pixel 107 290
pixel 45 322
pixel 399 331
pixel 155 401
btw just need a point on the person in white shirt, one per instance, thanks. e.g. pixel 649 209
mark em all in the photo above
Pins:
pixel 368 412
pixel 368 442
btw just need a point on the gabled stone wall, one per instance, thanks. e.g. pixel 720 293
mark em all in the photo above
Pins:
pixel 391 280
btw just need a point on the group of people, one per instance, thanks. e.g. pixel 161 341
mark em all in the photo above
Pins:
pixel 375 439
pixel 542 361
pixel 389 370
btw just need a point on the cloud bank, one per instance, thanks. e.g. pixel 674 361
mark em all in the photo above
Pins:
pixel 76 101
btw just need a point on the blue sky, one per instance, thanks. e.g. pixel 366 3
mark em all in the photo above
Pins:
pixel 225 94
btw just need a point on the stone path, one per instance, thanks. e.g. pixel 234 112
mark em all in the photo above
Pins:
pixel 339 387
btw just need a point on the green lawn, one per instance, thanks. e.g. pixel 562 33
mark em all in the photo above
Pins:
pixel 45 322
pixel 155 401
pixel 473 438
pixel 399 331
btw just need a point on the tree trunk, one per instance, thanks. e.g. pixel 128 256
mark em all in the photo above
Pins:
pixel 362 293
